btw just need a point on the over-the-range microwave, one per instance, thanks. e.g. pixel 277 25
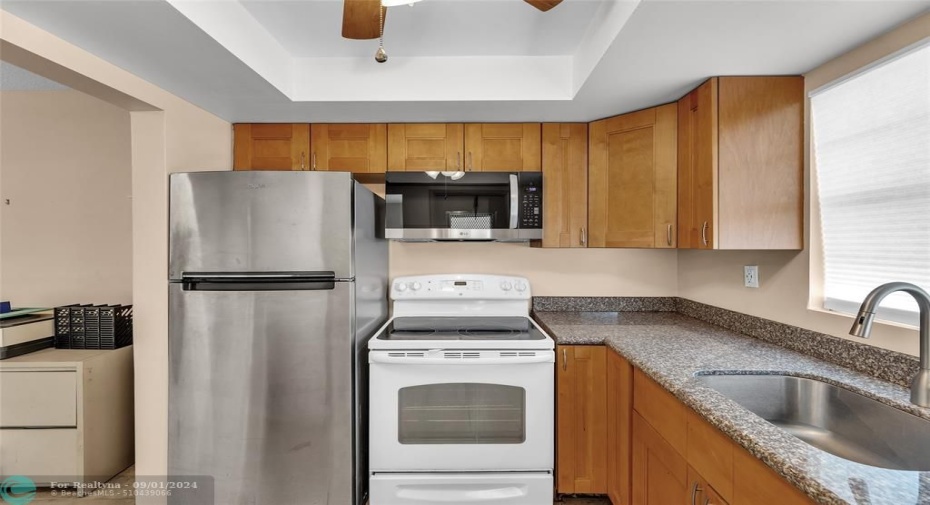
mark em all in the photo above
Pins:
pixel 490 206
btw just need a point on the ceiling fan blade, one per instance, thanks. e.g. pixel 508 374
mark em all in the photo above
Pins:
pixel 360 19
pixel 543 5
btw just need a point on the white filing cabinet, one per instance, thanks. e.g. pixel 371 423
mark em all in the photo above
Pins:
pixel 66 414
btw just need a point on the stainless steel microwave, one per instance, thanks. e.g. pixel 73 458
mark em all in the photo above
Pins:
pixel 490 206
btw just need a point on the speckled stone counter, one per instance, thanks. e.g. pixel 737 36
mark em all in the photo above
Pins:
pixel 671 348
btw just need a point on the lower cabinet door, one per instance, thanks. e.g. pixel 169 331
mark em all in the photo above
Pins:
pixel 42 455
pixel 660 473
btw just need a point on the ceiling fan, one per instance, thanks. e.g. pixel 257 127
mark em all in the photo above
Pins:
pixel 364 19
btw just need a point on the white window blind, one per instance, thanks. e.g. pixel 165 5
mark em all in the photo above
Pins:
pixel 871 137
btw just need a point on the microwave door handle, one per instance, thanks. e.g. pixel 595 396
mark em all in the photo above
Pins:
pixel 514 201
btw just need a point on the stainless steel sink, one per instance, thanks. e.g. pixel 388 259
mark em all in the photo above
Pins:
pixel 831 418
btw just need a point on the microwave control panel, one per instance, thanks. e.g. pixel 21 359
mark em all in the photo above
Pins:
pixel 531 201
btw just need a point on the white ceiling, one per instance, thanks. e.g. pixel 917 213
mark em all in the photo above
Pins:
pixel 430 28
pixel 273 60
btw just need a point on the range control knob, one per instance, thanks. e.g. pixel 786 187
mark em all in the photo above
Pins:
pixel 505 285
pixel 519 286
pixel 401 287
pixel 415 286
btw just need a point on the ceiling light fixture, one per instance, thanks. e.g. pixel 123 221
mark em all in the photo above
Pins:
pixel 395 3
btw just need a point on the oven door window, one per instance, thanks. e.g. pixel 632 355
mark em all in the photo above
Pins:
pixel 462 413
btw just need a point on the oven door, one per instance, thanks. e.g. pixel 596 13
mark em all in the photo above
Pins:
pixel 439 411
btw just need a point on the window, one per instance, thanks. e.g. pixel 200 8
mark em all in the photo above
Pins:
pixel 871 135
pixel 462 413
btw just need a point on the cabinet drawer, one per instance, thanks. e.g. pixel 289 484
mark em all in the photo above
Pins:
pixel 38 399
pixel 40 454
pixel 661 409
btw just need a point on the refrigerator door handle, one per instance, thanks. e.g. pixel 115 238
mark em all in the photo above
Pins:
pixel 258 281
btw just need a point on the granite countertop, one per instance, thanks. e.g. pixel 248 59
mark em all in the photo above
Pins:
pixel 670 348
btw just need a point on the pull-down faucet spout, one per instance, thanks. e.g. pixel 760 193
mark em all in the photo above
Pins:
pixel 862 327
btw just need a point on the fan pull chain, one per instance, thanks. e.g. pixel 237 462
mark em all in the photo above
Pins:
pixel 380 55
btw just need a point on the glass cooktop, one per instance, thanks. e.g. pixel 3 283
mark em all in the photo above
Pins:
pixel 461 328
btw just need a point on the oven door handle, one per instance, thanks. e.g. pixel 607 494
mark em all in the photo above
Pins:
pixel 385 358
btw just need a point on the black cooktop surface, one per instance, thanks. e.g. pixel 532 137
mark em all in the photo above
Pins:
pixel 461 328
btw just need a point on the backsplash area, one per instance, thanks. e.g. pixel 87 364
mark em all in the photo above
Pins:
pixel 880 363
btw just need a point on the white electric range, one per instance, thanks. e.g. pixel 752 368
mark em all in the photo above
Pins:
pixel 461 395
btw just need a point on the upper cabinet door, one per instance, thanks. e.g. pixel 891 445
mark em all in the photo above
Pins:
pixel 697 167
pixel 271 146
pixel 356 148
pixel 741 164
pixel 632 179
pixel 565 184
pixel 503 147
pixel 761 164
pixel 420 147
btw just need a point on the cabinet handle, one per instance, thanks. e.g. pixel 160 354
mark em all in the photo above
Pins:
pixel 313 161
pixel 584 236
pixel 704 233
pixel 458 161
pixel 471 163
pixel 564 359
pixel 303 160
pixel 706 501
pixel 669 235
pixel 694 491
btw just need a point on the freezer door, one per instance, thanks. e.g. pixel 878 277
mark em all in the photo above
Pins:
pixel 260 222
pixel 260 393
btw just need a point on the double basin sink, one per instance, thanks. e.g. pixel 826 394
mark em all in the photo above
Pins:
pixel 831 418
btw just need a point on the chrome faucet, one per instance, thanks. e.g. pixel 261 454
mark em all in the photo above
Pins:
pixel 920 386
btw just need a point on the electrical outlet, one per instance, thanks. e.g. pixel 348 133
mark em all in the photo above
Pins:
pixel 751 276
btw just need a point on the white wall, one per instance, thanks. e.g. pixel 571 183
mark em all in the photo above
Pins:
pixel 715 277
pixel 552 272
pixel 168 134
pixel 66 169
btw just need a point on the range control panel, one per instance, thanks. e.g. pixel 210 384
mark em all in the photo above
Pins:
pixel 460 286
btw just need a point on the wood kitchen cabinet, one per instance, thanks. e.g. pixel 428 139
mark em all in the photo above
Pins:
pixel 619 428
pixel 676 456
pixel 356 148
pixel 660 473
pixel 565 185
pixel 633 177
pixel 419 147
pixel 740 164
pixel 271 146
pixel 503 147
pixel 581 419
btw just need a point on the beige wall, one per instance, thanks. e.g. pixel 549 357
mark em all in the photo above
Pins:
pixel 66 169
pixel 552 272
pixel 167 134
pixel 715 277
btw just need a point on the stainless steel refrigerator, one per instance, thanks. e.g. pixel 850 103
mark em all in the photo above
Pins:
pixel 276 282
